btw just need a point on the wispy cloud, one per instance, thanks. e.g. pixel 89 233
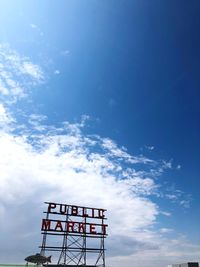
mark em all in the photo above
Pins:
pixel 17 74
pixel 167 251
pixel 178 196
pixel 150 147
pixel 65 53
pixel 32 70
pixel 65 165
pixel 166 230
pixel 36 28
pixel 178 167
pixel 40 162
pixel 56 72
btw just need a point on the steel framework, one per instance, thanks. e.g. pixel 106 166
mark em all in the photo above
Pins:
pixel 75 248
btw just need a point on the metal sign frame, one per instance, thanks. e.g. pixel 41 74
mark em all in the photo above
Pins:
pixel 75 226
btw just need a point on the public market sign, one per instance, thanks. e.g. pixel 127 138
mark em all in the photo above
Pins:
pixel 86 220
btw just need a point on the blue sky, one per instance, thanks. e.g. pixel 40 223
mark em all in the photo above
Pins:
pixel 109 88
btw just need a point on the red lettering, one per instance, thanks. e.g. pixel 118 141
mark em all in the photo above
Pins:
pixel 70 226
pixel 74 210
pixel 92 229
pixel 59 225
pixel 51 206
pixel 101 214
pixel 63 211
pixel 85 212
pixel 46 225
pixel 81 228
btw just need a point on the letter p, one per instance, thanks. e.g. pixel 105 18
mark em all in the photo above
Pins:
pixel 51 206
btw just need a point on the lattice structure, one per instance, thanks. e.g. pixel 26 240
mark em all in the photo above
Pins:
pixel 80 233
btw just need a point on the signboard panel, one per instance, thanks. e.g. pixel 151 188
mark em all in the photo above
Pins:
pixel 75 225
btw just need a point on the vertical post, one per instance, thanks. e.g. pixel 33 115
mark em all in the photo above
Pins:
pixel 63 253
pixel 85 243
pixel 42 251
pixel 103 251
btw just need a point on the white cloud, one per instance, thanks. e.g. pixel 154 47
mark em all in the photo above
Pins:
pixel 33 26
pixel 36 28
pixel 178 196
pixel 65 53
pixel 169 251
pixel 17 74
pixel 178 167
pixel 5 119
pixel 150 147
pixel 56 72
pixel 63 168
pixel 166 213
pixel 167 164
pixel 64 165
pixel 171 196
pixel 43 163
pixel 115 151
pixel 32 70
pixel 185 203
pixel 166 230
pixel 3 89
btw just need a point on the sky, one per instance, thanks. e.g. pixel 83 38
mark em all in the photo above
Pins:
pixel 99 106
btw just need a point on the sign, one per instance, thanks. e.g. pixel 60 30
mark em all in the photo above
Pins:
pixel 86 220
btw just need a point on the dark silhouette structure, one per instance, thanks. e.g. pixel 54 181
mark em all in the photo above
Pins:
pixel 76 233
